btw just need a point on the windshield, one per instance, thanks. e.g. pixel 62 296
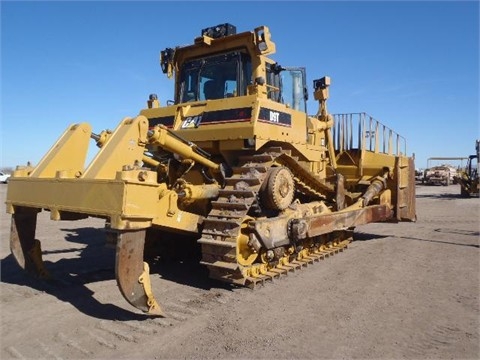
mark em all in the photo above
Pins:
pixel 215 77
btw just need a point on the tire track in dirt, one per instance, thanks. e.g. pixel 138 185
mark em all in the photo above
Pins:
pixel 92 338
pixel 439 337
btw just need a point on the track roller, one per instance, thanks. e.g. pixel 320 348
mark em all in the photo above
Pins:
pixel 278 189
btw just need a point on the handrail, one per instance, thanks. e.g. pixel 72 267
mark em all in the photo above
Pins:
pixel 372 135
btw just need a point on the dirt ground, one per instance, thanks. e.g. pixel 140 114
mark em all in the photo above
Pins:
pixel 401 291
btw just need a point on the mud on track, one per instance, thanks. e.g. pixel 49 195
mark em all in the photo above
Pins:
pixel 400 291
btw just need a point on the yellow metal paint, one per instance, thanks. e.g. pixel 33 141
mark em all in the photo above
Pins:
pixel 198 170
pixel 125 147
pixel 67 154
pixel 144 279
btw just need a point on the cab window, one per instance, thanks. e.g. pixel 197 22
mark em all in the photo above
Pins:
pixel 215 77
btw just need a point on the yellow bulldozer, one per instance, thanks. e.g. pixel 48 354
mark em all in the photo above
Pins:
pixel 469 177
pixel 234 161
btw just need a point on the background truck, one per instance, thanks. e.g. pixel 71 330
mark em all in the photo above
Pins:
pixel 440 175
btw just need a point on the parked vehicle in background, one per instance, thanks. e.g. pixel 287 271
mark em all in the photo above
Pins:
pixel 4 177
pixel 419 175
pixel 440 175
pixel 468 179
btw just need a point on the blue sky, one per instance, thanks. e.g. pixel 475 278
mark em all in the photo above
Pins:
pixel 412 65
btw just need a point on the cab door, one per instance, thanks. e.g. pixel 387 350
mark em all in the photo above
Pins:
pixel 294 88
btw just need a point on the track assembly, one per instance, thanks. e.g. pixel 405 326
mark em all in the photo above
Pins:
pixel 226 239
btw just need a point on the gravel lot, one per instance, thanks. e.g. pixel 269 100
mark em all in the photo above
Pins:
pixel 401 291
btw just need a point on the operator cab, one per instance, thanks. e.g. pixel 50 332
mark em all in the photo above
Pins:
pixel 472 165
pixel 230 71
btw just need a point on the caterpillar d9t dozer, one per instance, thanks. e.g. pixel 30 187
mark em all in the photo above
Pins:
pixel 234 161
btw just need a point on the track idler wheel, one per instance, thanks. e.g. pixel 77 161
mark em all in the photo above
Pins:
pixel 132 272
pixel 24 247
pixel 278 189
